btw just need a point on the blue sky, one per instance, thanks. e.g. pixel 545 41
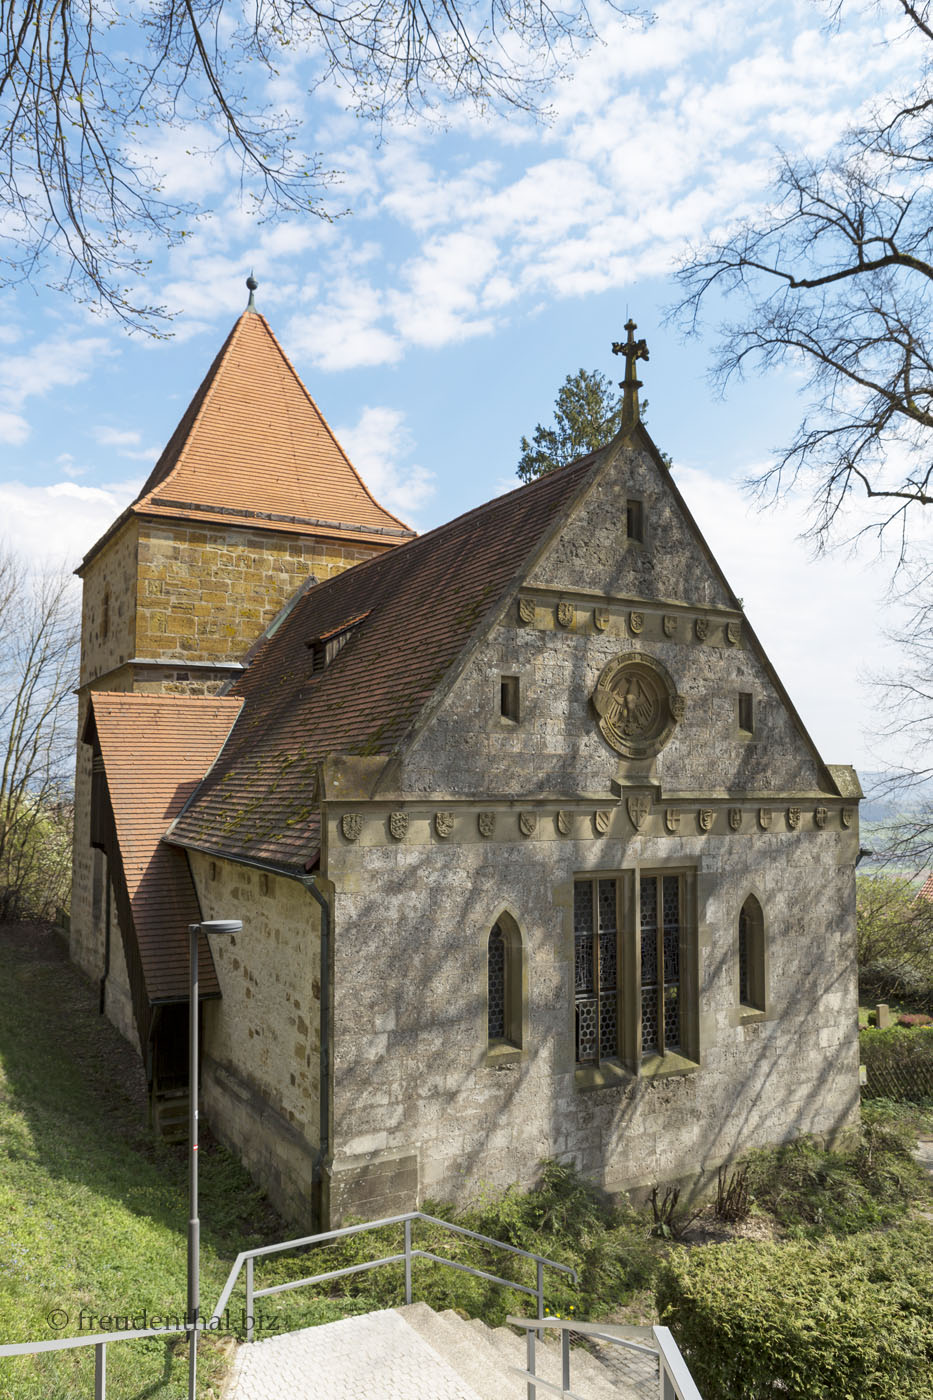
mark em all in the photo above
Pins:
pixel 479 265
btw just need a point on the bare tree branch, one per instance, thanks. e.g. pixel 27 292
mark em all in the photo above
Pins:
pixel 837 277
pixel 84 84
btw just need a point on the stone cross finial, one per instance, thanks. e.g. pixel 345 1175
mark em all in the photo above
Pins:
pixel 252 284
pixel 632 350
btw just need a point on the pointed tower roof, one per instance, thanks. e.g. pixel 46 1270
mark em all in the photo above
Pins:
pixel 254 449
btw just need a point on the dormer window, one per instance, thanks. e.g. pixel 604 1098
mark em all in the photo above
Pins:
pixel 325 647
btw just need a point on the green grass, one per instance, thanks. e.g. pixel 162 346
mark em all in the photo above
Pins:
pixel 93 1210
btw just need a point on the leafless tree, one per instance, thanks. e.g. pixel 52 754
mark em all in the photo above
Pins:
pixel 84 88
pixel 837 277
pixel 38 672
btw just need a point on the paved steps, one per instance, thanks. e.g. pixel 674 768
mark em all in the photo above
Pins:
pixel 413 1353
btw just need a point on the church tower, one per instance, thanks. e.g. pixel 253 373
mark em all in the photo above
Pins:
pixel 252 498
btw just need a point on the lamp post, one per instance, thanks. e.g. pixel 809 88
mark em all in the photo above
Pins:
pixel 194 1224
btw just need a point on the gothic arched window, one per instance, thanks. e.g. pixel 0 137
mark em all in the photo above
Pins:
pixel 504 984
pixel 752 955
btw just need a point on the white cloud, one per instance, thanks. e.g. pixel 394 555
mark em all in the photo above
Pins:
pixel 377 445
pixel 115 437
pixel 13 428
pixel 57 524
pixel 59 362
pixel 823 622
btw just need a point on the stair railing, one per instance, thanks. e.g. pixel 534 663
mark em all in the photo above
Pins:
pixel 674 1379
pixel 98 1342
pixel 245 1260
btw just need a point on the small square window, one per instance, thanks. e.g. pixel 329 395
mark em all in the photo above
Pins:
pixel 635 520
pixel 746 712
pixel 508 698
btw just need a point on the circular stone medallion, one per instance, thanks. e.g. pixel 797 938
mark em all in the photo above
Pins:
pixel 635 700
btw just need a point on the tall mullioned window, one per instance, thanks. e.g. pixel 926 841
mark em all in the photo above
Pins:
pixel 660 964
pixel 751 955
pixel 596 969
pixel 635 972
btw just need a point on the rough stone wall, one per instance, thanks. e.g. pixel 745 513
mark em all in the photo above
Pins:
pixel 111 573
pixel 261 1066
pixel 207 593
pixel 412 920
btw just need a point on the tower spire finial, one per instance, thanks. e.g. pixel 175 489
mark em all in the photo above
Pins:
pixel 252 284
pixel 632 350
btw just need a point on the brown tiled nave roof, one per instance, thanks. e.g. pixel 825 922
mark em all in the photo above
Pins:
pixel 253 449
pixel 423 602
pixel 155 750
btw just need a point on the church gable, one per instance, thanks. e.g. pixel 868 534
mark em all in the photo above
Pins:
pixel 624 622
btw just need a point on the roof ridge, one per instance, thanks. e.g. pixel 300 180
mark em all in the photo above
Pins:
pixel 201 397
pixel 330 432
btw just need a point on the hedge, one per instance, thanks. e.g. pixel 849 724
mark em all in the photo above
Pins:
pixel 851 1320
pixel 898 1062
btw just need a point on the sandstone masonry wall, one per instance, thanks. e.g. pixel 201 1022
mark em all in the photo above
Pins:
pixel 261 1067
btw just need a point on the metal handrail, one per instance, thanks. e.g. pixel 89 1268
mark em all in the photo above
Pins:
pixel 674 1379
pixel 98 1341
pixel 247 1256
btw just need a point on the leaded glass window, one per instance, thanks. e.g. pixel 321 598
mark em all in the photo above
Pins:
pixel 596 969
pixel 751 955
pixel 496 984
pixel 661 934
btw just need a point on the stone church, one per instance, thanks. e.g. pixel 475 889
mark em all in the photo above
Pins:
pixel 533 854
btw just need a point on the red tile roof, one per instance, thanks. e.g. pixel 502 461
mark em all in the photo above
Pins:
pixel 254 449
pixel 423 604
pixel 155 749
pixel 926 889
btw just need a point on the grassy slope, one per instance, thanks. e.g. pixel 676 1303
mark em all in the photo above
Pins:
pixel 93 1211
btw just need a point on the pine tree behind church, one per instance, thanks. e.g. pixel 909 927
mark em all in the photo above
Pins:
pixel 587 415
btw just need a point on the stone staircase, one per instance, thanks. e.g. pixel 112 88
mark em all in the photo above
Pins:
pixel 413 1353
pixel 485 1358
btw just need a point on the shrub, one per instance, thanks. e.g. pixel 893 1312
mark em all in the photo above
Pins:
pixel 868 1182
pixel 914 1019
pixel 852 1319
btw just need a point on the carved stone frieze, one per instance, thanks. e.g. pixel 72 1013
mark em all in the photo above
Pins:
pixel 705 818
pixel 702 628
pixel 443 823
pixel 637 807
pixel 526 610
pixel 398 825
pixel 672 820
pixel 528 823
pixel 351 824
pixel 565 614
pixel 735 818
pixel 765 816
pixel 669 624
pixel 486 821
pixel 601 821
pixel 847 816
pixel 601 617
pixel 562 821
pixel 733 633
pixel 636 621
pixel 678 706
pixel 819 816
pixel 793 818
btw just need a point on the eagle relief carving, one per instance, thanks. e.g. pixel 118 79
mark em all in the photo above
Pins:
pixel 351 824
pixel 565 614
pixel 636 704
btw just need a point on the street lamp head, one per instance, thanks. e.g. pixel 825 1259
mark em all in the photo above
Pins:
pixel 219 926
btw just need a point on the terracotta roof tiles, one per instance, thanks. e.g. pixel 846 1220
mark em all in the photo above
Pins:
pixel 156 749
pixel 254 449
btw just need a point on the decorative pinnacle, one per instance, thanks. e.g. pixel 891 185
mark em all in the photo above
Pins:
pixel 252 284
pixel 632 350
